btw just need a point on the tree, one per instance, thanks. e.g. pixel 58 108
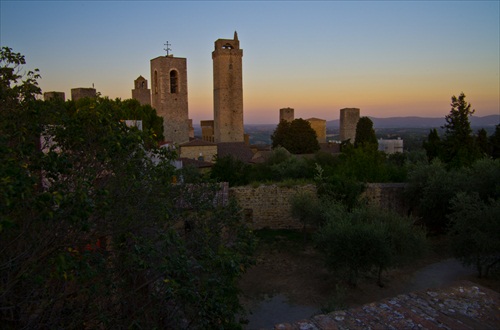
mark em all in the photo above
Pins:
pixel 475 228
pixel 482 143
pixel 495 143
pixel 433 145
pixel 297 136
pixel 365 134
pixel 229 169
pixel 458 143
pixel 367 239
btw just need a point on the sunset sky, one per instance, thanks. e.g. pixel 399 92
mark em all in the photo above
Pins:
pixel 388 58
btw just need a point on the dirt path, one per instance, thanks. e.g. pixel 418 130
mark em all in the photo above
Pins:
pixel 287 274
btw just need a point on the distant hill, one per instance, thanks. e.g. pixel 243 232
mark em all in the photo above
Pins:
pixel 421 122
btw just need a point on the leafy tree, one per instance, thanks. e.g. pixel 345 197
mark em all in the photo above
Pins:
pixel 230 169
pixel 365 134
pixel 306 207
pixel 431 187
pixel 458 143
pixel 475 228
pixel 280 166
pixel 433 145
pixel 367 239
pixel 297 136
pixel 91 228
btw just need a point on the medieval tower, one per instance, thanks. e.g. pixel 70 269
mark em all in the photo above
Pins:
pixel 348 120
pixel 228 90
pixel 141 92
pixel 169 96
pixel 286 114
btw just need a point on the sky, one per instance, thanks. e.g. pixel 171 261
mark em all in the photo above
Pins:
pixel 388 58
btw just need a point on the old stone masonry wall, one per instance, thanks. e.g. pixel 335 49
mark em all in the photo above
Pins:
pixel 268 206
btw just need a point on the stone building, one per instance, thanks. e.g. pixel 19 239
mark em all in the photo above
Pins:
pixel 390 146
pixel 207 130
pixel 141 92
pixel 198 150
pixel 228 90
pixel 169 96
pixel 286 114
pixel 319 126
pixel 348 120
pixel 81 92
pixel 54 95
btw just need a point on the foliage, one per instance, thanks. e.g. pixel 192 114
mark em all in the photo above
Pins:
pixel 433 145
pixel 232 170
pixel 475 229
pixel 296 136
pixel 367 239
pixel 306 207
pixel 92 228
pixel 339 189
pixel 281 166
pixel 458 143
pixel 365 134
pixel 431 187
pixel 494 142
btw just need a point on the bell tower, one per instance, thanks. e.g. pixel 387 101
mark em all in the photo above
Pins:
pixel 169 96
pixel 228 90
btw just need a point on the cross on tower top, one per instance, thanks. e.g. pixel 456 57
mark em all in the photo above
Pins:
pixel 167 49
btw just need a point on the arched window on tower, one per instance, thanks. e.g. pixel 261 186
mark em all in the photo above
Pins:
pixel 156 82
pixel 174 82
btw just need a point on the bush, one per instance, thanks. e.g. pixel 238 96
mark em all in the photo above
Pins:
pixel 475 232
pixel 367 239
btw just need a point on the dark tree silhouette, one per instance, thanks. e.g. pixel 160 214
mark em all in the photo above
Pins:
pixel 365 134
pixel 297 137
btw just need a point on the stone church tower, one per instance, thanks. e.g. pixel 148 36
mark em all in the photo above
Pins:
pixel 141 92
pixel 169 96
pixel 228 90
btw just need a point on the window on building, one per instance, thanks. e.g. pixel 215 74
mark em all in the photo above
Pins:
pixel 174 82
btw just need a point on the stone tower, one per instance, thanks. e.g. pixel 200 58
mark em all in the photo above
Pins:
pixel 54 95
pixel 286 114
pixel 228 90
pixel 348 120
pixel 141 92
pixel 169 96
pixel 82 92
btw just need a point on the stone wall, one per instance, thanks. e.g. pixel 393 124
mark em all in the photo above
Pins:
pixel 388 196
pixel 268 206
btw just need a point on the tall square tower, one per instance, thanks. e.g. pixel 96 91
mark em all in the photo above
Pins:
pixel 169 96
pixel 228 90
pixel 348 120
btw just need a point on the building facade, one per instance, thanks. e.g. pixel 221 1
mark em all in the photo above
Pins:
pixel 228 90
pixel 169 96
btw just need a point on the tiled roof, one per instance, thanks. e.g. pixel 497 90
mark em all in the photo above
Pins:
pixel 238 150
pixel 464 305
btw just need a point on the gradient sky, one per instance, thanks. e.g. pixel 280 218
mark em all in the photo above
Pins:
pixel 388 58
